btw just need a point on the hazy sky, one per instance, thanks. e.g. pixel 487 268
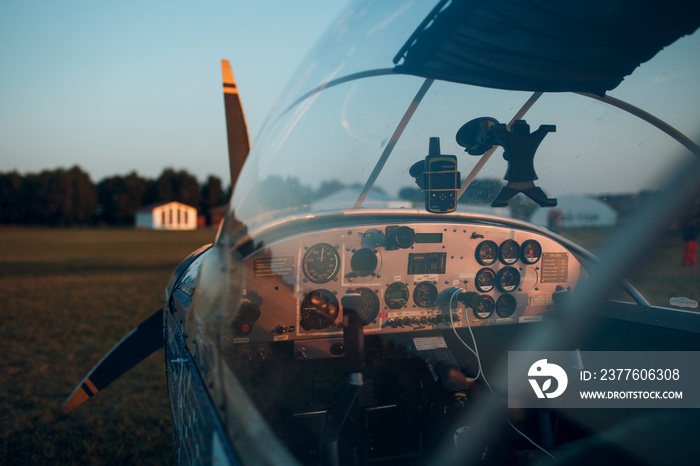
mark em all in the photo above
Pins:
pixel 121 86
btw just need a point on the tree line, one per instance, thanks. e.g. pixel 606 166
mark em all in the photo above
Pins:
pixel 63 197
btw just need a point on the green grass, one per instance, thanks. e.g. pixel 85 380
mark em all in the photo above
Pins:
pixel 659 273
pixel 66 297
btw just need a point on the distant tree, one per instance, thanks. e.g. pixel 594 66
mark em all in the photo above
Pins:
pixel 108 191
pixel 57 197
pixel 79 198
pixel 327 188
pixel 10 199
pixel 213 192
pixel 276 193
pixel 178 186
pixel 212 195
pixel 120 197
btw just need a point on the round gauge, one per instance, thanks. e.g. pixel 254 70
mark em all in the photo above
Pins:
pixel 370 305
pixel 396 295
pixel 530 251
pixel 508 279
pixel 485 307
pixel 363 262
pixel 425 294
pixel 319 309
pixel 485 280
pixel 509 252
pixel 505 306
pixel 486 252
pixel 321 263
pixel 404 237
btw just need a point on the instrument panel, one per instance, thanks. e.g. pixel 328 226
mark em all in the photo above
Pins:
pixel 411 277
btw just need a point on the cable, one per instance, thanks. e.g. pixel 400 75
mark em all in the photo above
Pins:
pixel 475 351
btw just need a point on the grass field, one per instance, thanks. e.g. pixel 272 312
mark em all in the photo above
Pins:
pixel 658 274
pixel 66 297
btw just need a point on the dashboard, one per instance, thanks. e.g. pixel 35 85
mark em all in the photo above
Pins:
pixel 411 276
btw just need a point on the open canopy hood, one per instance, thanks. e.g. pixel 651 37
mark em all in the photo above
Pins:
pixel 537 45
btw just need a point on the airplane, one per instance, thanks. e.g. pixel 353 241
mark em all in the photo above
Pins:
pixel 346 326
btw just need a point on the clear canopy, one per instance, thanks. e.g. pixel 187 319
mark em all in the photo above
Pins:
pixel 336 202
pixel 349 128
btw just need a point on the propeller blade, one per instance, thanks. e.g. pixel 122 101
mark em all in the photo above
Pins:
pixel 140 343
pixel 236 127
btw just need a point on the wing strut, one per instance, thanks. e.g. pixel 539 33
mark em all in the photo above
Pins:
pixel 140 343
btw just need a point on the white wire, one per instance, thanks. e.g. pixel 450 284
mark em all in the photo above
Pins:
pixel 475 351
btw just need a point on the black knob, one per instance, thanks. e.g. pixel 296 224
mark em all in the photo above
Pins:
pixel 337 349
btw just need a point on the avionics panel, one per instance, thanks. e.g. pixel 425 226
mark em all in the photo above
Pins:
pixel 432 276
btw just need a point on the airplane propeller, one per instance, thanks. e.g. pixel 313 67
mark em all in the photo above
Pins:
pixel 140 343
pixel 147 337
pixel 236 127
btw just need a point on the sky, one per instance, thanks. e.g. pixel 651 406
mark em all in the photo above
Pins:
pixel 116 87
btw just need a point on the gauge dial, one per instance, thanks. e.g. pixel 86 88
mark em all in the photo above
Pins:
pixel 363 262
pixel 485 307
pixel 508 279
pixel 425 294
pixel 486 252
pixel 509 252
pixel 321 263
pixel 396 295
pixel 370 305
pixel 505 306
pixel 404 237
pixel 485 280
pixel 319 309
pixel 530 251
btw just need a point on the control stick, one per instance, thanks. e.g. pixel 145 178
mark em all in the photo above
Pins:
pixel 354 360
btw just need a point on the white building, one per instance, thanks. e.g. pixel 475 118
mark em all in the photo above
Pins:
pixel 576 212
pixel 167 216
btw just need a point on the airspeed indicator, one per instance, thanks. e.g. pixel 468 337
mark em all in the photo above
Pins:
pixel 321 263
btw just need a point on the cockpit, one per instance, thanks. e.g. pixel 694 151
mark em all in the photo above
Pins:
pixel 400 226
